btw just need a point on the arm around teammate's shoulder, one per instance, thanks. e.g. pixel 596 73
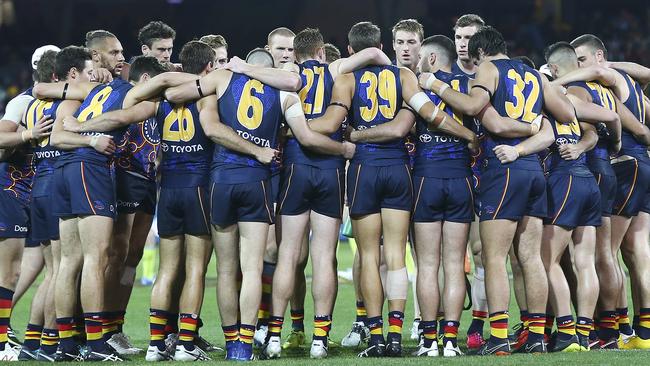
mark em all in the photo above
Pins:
pixel 64 90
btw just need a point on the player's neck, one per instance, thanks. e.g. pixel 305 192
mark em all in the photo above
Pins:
pixel 302 60
pixel 444 68
pixel 498 56
pixel 467 67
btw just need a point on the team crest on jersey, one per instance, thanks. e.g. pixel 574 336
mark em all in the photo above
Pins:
pixel 99 205
pixel 150 131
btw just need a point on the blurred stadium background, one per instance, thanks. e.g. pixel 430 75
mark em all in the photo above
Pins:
pixel 528 25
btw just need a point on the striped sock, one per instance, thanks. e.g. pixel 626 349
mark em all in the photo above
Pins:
pixel 94 337
pixel 536 324
pixel 66 327
pixel 499 325
pixel 624 321
pixel 6 295
pixel 478 320
pixel 361 312
pixel 119 319
pixel 298 320
pixel 644 323
pixel 32 337
pixel 322 326
pixel 187 331
pixel 109 325
pixel 231 333
pixel 635 322
pixel 548 327
pixel 607 325
pixel 157 323
pixel 275 326
pixel 171 327
pixel 49 341
pixel 429 332
pixel 376 326
pixel 524 317
pixel 395 323
pixel 584 326
pixel 246 333
pixel 268 269
pixel 566 327
pixel 79 329
pixel 451 332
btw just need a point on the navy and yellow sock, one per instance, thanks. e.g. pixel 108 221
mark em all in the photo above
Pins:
pixel 32 337
pixel 478 320
pixel 635 322
pixel 429 332
pixel 322 326
pixel 524 317
pixel 566 327
pixel 584 326
pixel 231 333
pixel 548 327
pixel 157 323
pixel 94 337
pixel 451 332
pixel 644 323
pixel 187 332
pixel 376 326
pixel 298 320
pixel 536 326
pixel 275 326
pixel 624 325
pixel 361 312
pixel 66 327
pixel 499 325
pixel 395 324
pixel 172 323
pixel 49 341
pixel 109 325
pixel 607 325
pixel 246 333
pixel 6 296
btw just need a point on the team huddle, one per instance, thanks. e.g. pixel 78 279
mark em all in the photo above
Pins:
pixel 452 144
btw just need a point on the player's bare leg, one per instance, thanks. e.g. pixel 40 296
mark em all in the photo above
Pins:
pixel 30 267
pixel 427 243
pixel 454 248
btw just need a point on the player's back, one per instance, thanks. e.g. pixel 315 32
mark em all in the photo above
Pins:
pixel 634 102
pixel 139 149
pixel 102 99
pixel 315 96
pixel 565 133
pixel 254 111
pixel 377 99
pixel 518 95
pixel 186 150
pixel 437 152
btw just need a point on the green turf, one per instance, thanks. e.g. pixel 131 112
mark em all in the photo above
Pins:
pixel 137 328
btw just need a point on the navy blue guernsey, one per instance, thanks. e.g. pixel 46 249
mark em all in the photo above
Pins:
pixel 598 157
pixel 44 153
pixel 518 95
pixel 186 150
pixel 565 133
pixel 102 99
pixel 629 145
pixel 456 70
pixel 315 95
pixel 139 149
pixel 437 154
pixel 253 110
pixel 377 99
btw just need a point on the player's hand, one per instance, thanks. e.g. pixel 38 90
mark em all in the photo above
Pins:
pixel 570 151
pixel 237 65
pixel 615 147
pixel 42 128
pixel 103 144
pixel 348 149
pixel 71 124
pixel 347 133
pixel 286 132
pixel 425 79
pixel 536 124
pixel 265 155
pixel 506 153
pixel 101 75
pixel 474 145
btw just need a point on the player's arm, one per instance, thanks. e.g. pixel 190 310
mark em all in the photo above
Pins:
pixel 391 130
pixel 66 140
pixel 63 90
pixel 629 122
pixel 479 95
pixel 588 140
pixel 436 118
pixel 555 102
pixel 339 106
pixel 225 136
pixel 153 88
pixel 605 76
pixel 493 122
pixel 12 133
pixel 277 78
pixel 363 58
pixel 112 120
pixel 295 117
pixel 586 111
pixel 638 72
pixel 196 89
pixel 531 145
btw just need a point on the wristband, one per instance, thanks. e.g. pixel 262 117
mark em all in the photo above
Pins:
pixel 198 87
pixel 65 90
pixel 93 140
pixel 442 123
pixel 429 83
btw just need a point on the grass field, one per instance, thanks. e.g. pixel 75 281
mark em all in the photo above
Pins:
pixel 137 327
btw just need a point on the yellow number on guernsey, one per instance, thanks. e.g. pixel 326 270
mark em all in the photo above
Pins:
pixel 522 107
pixel 250 109
pixel 455 84
pixel 572 128
pixel 383 86
pixel 178 125
pixel 317 106
pixel 96 105
pixel 34 113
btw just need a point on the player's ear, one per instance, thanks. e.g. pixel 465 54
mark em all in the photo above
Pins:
pixel 432 58
pixel 381 46
pixel 73 73
pixel 144 77
pixel 209 67
pixel 321 53
pixel 145 49
pixel 350 50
